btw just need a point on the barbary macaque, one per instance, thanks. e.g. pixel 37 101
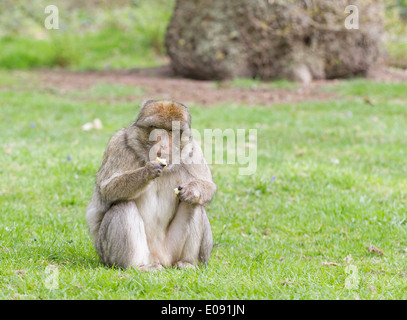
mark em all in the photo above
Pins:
pixel 134 217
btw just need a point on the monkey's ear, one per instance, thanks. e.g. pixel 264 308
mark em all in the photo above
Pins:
pixel 145 122
pixel 146 102
pixel 177 102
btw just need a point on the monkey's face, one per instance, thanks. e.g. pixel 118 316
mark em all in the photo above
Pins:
pixel 162 143
pixel 165 130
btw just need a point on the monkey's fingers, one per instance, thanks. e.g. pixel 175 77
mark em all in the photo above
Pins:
pixel 163 162
pixel 177 190
pixel 189 195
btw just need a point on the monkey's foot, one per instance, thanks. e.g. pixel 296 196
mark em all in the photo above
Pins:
pixel 183 265
pixel 154 267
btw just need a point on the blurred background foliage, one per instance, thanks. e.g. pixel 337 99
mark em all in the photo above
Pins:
pixel 396 33
pixel 103 34
pixel 92 35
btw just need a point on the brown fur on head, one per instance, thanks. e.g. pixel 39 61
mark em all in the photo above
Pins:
pixel 161 114
pixel 157 117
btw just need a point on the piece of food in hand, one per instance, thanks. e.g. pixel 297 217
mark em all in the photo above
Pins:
pixel 163 162
pixel 177 189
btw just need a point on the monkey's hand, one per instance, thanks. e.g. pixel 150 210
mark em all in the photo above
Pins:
pixel 153 169
pixel 190 193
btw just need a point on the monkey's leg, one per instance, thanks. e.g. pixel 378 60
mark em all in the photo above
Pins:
pixel 122 239
pixel 198 244
pixel 186 234
pixel 207 239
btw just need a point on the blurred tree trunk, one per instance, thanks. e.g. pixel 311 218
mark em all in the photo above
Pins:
pixel 266 39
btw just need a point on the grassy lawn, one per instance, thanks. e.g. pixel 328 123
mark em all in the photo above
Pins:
pixel 102 34
pixel 92 34
pixel 339 186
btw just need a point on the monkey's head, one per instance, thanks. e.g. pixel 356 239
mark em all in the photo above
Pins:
pixel 163 129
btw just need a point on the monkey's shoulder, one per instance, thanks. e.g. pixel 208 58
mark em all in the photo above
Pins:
pixel 117 139
pixel 119 144
pixel 118 156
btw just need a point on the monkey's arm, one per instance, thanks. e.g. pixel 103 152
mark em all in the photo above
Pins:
pixel 198 192
pixel 120 176
pixel 122 186
pixel 201 189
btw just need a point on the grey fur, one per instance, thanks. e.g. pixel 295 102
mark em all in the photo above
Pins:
pixel 135 218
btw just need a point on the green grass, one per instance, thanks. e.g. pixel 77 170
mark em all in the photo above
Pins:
pixel 120 34
pixel 396 30
pixel 104 36
pixel 246 83
pixel 340 186
pixel 108 90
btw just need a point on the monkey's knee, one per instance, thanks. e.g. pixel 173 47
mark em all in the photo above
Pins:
pixel 121 239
